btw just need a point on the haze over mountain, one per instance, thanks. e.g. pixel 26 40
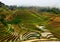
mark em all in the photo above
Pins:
pixel 43 3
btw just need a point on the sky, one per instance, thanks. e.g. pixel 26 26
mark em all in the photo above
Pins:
pixel 51 3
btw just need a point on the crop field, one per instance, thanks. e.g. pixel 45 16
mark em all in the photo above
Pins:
pixel 23 24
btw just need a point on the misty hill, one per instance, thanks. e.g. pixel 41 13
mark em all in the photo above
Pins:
pixel 21 20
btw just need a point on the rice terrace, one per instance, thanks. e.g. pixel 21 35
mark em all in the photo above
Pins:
pixel 29 24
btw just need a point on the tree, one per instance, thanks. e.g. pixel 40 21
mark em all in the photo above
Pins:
pixel 1 4
pixel 2 16
pixel 15 21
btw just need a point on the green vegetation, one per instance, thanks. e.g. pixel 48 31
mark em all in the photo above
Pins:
pixel 26 20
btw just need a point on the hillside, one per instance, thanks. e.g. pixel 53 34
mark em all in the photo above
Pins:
pixel 25 24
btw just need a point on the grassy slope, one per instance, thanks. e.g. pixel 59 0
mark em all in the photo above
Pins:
pixel 30 19
pixel 52 24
